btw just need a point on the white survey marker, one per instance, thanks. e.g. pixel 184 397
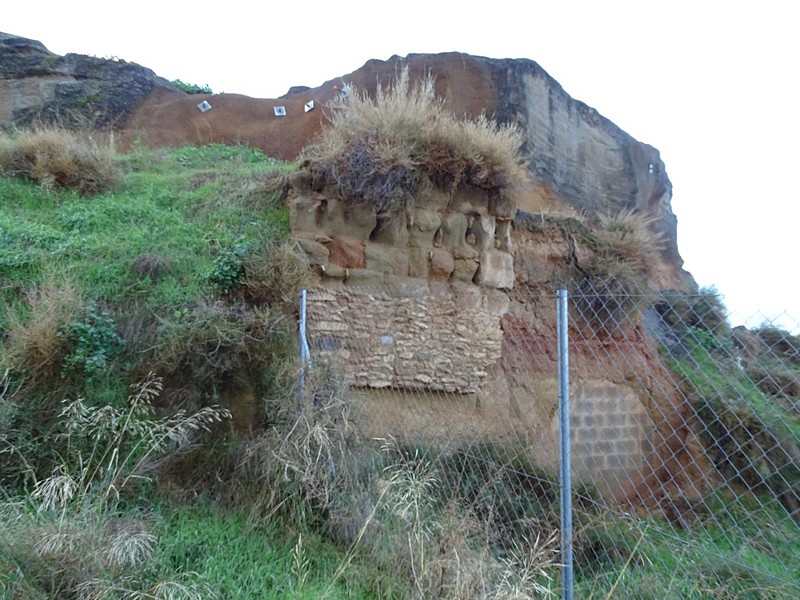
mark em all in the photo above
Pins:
pixel 309 105
pixel 204 106
pixel 280 111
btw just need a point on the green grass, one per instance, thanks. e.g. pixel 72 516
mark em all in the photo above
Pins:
pixel 244 558
pixel 170 211
pixel 182 207
pixel 739 550
pixel 752 439
pixel 95 291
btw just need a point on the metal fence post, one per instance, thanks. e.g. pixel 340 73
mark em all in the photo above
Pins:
pixel 305 352
pixel 563 417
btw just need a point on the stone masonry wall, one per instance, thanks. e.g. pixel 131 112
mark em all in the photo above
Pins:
pixel 611 432
pixel 413 336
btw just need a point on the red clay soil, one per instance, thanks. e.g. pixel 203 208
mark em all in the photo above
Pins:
pixel 170 117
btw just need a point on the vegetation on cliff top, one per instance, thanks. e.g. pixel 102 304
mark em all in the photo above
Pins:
pixel 381 150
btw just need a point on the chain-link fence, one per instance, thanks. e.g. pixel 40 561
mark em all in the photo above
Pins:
pixel 684 438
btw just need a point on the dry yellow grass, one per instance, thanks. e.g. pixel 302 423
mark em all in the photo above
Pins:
pixel 381 150
pixel 629 237
pixel 35 345
pixel 59 158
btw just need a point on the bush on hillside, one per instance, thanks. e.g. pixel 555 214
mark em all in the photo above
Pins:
pixel 35 346
pixel 191 88
pixel 59 158
pixel 628 238
pixel 381 151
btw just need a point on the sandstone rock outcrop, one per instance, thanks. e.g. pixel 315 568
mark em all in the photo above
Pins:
pixel 447 325
pixel 39 86
pixel 576 157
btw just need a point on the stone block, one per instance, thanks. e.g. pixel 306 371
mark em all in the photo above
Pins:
pixel 317 253
pixel 347 253
pixel 420 239
pixel 337 219
pixel 387 259
pixel 333 271
pixel 464 269
pixel 480 234
pixel 423 229
pixel 502 235
pixel 454 230
pixel 426 220
pixel 390 231
pixel 302 214
pixel 418 260
pixel 496 270
pixel 464 251
pixel 364 277
pixel 442 264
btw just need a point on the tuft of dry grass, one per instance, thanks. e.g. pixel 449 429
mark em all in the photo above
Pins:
pixel 381 151
pixel 275 276
pixel 628 238
pixel 527 569
pixel 34 345
pixel 212 342
pixel 55 157
pixel 305 458
pixel 612 285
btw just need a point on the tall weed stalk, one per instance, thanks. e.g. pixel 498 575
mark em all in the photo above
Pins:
pixel 70 537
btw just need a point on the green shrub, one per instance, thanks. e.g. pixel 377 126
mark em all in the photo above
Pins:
pixel 92 340
pixel 60 158
pixel 780 343
pixel 215 342
pixel 227 272
pixel 701 311
pixel 752 441
pixel 191 88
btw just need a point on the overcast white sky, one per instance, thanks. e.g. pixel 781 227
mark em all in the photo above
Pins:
pixel 711 84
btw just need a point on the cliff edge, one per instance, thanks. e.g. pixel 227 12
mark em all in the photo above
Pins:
pixel 575 157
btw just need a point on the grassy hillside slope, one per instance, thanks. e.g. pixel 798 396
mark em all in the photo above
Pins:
pixel 179 266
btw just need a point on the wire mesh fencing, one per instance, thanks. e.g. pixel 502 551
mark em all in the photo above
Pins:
pixel 684 439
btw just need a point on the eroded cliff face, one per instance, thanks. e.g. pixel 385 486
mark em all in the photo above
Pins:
pixel 451 306
pixel 576 157
pixel 39 86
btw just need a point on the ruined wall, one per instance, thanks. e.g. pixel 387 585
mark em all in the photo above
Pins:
pixel 612 434
pixel 416 336
pixel 435 322
pixel 436 319
pixel 464 237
